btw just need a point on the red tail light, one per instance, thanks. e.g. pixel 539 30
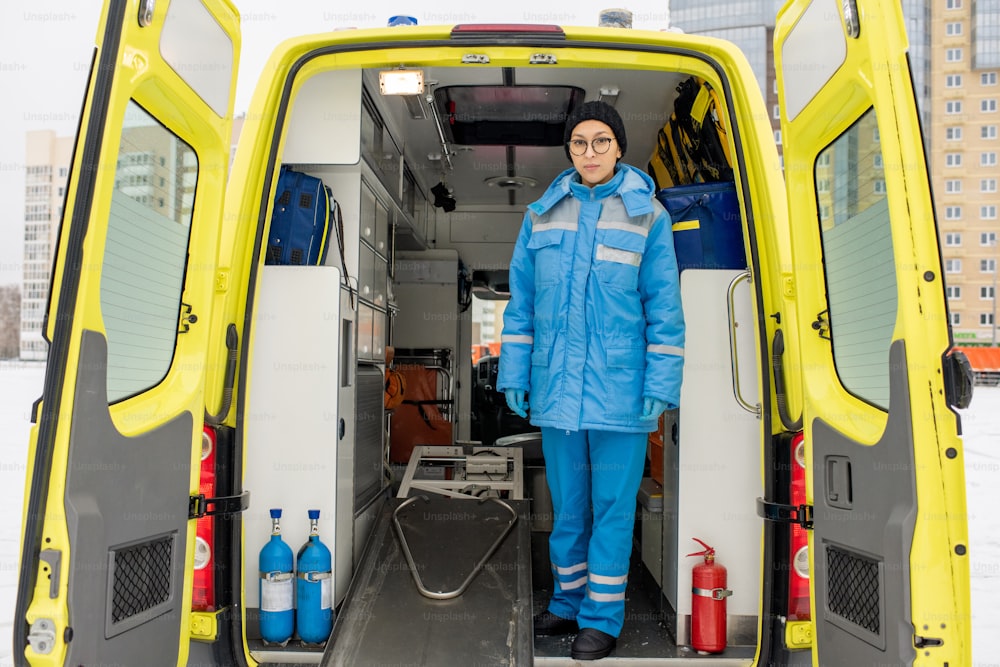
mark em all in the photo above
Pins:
pixel 798 557
pixel 203 595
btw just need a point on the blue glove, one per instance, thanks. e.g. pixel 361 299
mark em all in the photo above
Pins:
pixel 652 407
pixel 516 402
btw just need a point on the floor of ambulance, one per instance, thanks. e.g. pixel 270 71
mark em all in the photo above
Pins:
pixel 645 637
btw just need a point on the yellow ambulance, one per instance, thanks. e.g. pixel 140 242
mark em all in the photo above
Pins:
pixel 193 384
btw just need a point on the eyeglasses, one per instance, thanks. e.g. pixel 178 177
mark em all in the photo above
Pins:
pixel 600 145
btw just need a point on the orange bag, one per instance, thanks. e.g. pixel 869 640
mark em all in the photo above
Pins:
pixel 418 419
pixel 395 388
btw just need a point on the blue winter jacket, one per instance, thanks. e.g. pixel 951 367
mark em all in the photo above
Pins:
pixel 594 321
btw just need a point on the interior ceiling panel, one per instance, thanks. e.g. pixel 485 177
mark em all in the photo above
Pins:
pixel 501 175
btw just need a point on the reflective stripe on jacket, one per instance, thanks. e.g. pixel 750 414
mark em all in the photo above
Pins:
pixel 594 321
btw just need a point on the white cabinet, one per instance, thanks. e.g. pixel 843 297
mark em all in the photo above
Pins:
pixel 292 414
pixel 374 248
pixel 712 476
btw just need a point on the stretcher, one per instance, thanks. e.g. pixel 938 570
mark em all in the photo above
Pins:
pixel 478 547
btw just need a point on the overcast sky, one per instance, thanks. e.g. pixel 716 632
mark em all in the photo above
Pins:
pixel 46 47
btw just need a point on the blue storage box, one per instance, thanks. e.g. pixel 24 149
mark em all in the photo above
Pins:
pixel 708 228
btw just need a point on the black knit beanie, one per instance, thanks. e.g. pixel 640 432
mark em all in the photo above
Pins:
pixel 595 110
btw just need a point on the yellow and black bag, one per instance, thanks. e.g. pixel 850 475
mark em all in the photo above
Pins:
pixel 693 145
pixel 669 165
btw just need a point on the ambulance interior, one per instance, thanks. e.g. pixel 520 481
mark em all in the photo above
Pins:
pixel 432 193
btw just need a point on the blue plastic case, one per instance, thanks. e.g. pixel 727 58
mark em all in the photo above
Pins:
pixel 708 229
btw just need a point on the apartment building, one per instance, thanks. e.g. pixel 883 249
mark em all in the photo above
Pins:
pixel 47 162
pixel 965 95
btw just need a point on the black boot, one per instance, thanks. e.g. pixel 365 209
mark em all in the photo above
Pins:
pixel 592 644
pixel 548 624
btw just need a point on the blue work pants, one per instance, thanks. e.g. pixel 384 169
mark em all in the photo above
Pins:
pixel 593 477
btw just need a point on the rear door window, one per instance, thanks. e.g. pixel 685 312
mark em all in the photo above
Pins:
pixel 144 261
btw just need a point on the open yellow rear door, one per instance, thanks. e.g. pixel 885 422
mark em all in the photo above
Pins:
pixel 107 542
pixel 890 571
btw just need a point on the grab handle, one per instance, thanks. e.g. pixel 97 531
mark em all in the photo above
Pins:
pixel 733 353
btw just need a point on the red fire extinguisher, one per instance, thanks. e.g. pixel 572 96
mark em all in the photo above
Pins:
pixel 708 603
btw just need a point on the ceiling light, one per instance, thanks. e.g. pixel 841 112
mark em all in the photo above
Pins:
pixel 401 82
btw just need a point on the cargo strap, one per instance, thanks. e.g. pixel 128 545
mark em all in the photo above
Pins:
pixel 430 401
pixel 275 576
pixel 714 593
pixel 198 505
pixel 314 576
pixel 782 513
pixel 338 223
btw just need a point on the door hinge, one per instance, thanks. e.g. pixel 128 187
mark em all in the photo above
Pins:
pixel 198 506
pixel 222 280
pixel 542 59
pixel 783 513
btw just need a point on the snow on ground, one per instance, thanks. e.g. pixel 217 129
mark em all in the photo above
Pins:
pixel 21 384
pixel 981 436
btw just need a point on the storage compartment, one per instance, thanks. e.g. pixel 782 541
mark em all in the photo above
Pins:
pixel 366 326
pixel 383 230
pixel 379 277
pixel 323 128
pixel 292 449
pixel 712 477
pixel 366 273
pixel 378 336
pixel 708 227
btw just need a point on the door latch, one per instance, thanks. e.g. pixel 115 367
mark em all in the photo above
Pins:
pixel 822 324
pixel 925 642
pixel 187 318
pixel 42 636
pixel 839 482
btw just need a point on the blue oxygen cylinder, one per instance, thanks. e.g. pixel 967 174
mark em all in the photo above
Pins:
pixel 314 586
pixel 276 588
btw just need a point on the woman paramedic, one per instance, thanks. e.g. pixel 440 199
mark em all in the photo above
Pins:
pixel 593 341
